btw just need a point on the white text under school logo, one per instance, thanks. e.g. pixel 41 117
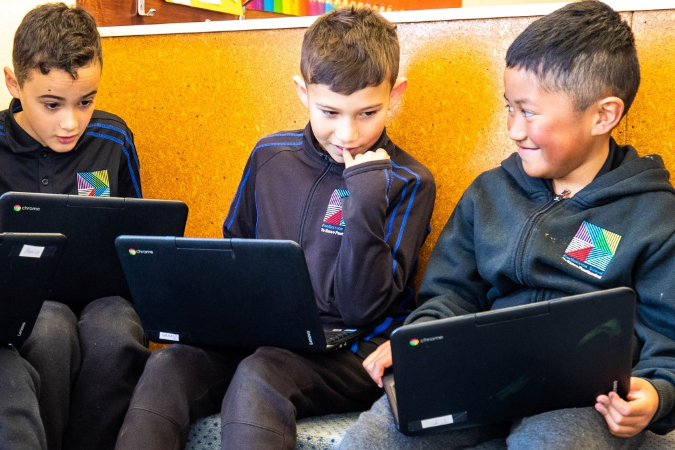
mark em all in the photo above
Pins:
pixel 333 222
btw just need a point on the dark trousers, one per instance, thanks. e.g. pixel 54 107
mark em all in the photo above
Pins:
pixel 19 390
pixel 87 368
pixel 268 391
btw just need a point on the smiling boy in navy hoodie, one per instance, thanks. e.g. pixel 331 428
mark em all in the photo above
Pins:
pixel 570 212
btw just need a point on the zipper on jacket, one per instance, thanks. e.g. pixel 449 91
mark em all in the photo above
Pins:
pixel 309 198
pixel 564 194
pixel 520 251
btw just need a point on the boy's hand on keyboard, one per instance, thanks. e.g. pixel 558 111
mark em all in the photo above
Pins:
pixel 377 361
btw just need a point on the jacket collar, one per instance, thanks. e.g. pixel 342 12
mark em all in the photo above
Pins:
pixel 18 140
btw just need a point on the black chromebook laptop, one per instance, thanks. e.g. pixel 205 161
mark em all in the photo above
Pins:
pixel 90 268
pixel 227 293
pixel 511 363
pixel 27 264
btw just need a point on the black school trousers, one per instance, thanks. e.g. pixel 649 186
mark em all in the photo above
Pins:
pixel 72 380
pixel 259 394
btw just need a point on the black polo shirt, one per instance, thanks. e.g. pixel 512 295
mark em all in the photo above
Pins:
pixel 103 163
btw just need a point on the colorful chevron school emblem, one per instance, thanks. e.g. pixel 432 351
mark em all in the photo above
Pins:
pixel 333 223
pixel 93 184
pixel 592 249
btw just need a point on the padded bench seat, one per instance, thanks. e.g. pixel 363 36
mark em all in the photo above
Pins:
pixel 325 433
pixel 314 433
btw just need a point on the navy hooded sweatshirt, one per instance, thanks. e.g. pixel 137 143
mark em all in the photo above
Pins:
pixel 512 241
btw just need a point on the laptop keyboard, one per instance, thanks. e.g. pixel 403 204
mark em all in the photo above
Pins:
pixel 337 334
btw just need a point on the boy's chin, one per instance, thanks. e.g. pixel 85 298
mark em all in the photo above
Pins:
pixel 59 148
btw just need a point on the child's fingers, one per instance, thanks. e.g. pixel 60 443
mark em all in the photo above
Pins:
pixel 349 159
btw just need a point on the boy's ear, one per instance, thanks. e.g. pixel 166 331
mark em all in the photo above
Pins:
pixel 609 114
pixel 12 83
pixel 301 89
pixel 397 91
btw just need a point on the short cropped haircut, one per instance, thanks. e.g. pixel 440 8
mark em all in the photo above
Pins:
pixel 55 36
pixel 584 50
pixel 350 49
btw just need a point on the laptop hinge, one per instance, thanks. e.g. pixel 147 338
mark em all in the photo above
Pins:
pixel 204 244
pixel 497 316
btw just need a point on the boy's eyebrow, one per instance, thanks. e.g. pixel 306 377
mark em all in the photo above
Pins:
pixel 516 102
pixel 56 97
pixel 377 105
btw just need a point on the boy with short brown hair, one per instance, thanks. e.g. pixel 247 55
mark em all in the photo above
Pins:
pixel 357 204
pixel 70 383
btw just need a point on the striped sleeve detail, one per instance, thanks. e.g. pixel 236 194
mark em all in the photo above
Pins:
pixel 123 141
pixel 409 206
pixel 378 329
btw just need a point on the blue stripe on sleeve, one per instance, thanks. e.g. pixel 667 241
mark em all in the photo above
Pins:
pixel 388 180
pixel 378 329
pixel 126 138
pixel 393 214
pixel 407 212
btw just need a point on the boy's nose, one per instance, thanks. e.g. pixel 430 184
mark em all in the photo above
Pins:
pixel 347 132
pixel 516 129
pixel 68 121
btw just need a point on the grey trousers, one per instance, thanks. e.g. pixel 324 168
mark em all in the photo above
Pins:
pixel 573 429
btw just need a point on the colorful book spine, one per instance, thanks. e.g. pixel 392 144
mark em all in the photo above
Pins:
pixel 303 7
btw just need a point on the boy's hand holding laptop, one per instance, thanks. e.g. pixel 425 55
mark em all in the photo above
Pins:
pixel 378 361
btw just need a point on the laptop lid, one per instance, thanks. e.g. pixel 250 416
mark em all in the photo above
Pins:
pixel 27 264
pixel 513 362
pixel 90 268
pixel 225 292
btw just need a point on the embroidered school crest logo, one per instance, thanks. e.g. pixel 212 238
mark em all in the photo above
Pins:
pixel 333 223
pixel 592 249
pixel 93 184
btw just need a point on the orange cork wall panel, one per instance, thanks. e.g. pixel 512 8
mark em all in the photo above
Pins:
pixel 651 118
pixel 452 117
pixel 197 104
